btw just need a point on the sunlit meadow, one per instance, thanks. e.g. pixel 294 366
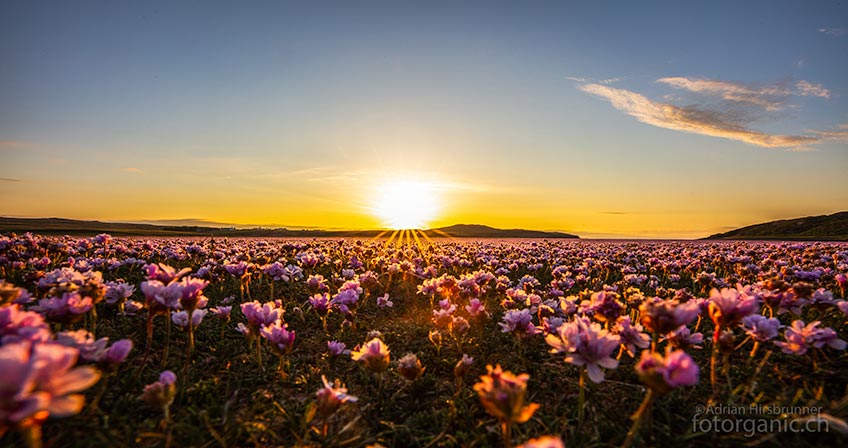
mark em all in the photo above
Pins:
pixel 250 342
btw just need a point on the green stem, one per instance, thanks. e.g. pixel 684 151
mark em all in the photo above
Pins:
pixel 581 401
pixel 638 417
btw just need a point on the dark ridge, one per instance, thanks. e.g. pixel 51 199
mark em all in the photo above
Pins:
pixel 811 228
pixel 61 226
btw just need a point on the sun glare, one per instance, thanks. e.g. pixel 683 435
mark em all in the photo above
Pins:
pixel 406 204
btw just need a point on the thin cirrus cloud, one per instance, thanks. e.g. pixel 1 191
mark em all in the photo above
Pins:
pixel 131 170
pixel 771 97
pixel 729 119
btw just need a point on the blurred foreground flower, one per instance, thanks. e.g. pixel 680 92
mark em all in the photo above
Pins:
pixel 160 394
pixel 38 381
pixel 502 395
pixel 328 400
pixel 374 355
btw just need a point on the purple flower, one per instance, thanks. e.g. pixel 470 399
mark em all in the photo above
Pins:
pixel 761 328
pixel 585 343
pixel 519 322
pixel 164 273
pixel 663 373
pixel 374 354
pixel 160 394
pixel 181 318
pixel 683 338
pixel 117 352
pixel 38 380
pixel 728 306
pixel 665 316
pixel 320 303
pixel 331 397
pixel 337 348
pixel 19 325
pixel 384 301
pixel 800 338
pixel 281 339
pixel 631 336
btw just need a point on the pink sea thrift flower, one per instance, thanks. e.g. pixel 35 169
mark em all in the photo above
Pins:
pixel 665 316
pixel 728 306
pixel 164 273
pixel 519 322
pixel 631 336
pixel 374 355
pixel 160 394
pixel 337 348
pixel 585 343
pixel 502 395
pixel 278 334
pixel 38 380
pixel 800 338
pixel 19 325
pixel 663 373
pixel 761 328
pixel 330 398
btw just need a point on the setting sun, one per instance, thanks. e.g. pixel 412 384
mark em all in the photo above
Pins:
pixel 406 204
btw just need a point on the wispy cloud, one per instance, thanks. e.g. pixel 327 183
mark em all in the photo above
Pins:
pixel 694 119
pixel 834 32
pixel 9 179
pixel 840 134
pixel 771 97
pixel 594 81
pixel 131 170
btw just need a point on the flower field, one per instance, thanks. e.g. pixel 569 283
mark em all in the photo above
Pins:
pixel 111 341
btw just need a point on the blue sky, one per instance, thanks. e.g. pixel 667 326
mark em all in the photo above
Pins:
pixel 658 119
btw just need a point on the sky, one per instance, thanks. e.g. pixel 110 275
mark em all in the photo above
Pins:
pixel 605 119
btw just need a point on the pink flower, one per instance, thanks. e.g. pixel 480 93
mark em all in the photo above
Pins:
pixel 384 301
pixel 409 367
pixel 761 328
pixel 475 309
pixel 663 373
pixel 39 380
pixel 728 306
pixel 278 334
pixel 330 398
pixel 164 273
pixel 502 395
pixel 19 325
pixel 665 316
pixel 585 343
pixel 261 314
pixel 68 308
pixel 800 338
pixel 631 336
pixel 374 354
pixel 519 322
pixel 181 318
pixel 337 348
pixel 160 394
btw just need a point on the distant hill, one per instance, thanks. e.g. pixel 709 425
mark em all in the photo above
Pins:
pixel 479 231
pixel 825 228
pixel 60 226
